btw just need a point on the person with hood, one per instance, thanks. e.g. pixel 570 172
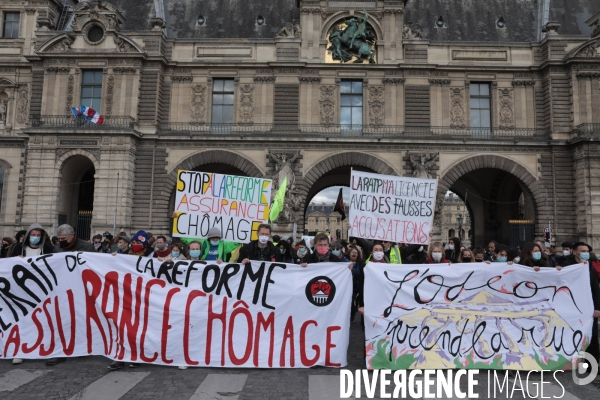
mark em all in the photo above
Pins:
pixel 453 251
pixel 6 242
pixel 215 249
pixel 67 241
pixel 35 243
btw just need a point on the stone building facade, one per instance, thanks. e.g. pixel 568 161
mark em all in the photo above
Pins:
pixel 453 209
pixel 322 218
pixel 507 95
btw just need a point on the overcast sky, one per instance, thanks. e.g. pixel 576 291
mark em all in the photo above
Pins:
pixel 329 195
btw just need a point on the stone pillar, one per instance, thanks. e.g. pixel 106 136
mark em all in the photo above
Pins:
pixel 587 192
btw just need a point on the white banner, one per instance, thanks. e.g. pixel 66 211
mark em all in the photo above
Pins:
pixel 391 208
pixel 236 205
pixel 265 315
pixel 477 316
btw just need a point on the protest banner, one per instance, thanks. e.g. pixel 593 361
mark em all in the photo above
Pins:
pixel 137 309
pixel 391 208
pixel 471 316
pixel 236 205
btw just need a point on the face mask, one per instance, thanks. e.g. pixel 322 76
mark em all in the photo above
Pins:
pixel 517 259
pixel 195 253
pixel 451 246
pixel 282 251
pixel 96 245
pixel 467 259
pixel 336 253
pixel 160 246
pixel 263 239
pixel 302 251
pixel 476 260
pixel 536 255
pixel 437 257
pixel 378 255
pixel 175 254
pixel 584 255
pixel 215 242
pixel 34 240
pixel 566 253
pixel 63 243
pixel 137 247
pixel 502 259
pixel 322 250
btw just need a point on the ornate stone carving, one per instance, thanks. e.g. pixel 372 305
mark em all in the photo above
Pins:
pixel 588 75
pixel 124 70
pixel 551 28
pixel 110 89
pixel 182 78
pixel 22 104
pixel 376 105
pixel 264 79
pixel 422 164
pixel 327 103
pixel 310 79
pixel 293 31
pixel 439 209
pixel 588 51
pixel 523 83
pixel 457 110
pixel 412 34
pixel 70 89
pixel 440 82
pixel 198 103
pixel 58 70
pixel 64 45
pixel 124 46
pixel 3 109
pixel 285 167
pixel 393 81
pixel 246 104
pixel 352 40
pixel 157 24
pixel 507 115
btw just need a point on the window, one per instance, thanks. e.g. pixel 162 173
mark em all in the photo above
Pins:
pixel 351 104
pixel 222 101
pixel 458 208
pixel 91 89
pixel 448 219
pixel 316 220
pixel 481 101
pixel 11 25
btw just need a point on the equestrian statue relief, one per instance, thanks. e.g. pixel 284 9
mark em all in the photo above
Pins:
pixel 353 38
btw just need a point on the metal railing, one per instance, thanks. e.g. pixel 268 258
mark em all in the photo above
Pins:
pixel 69 121
pixel 331 130
pixel 587 130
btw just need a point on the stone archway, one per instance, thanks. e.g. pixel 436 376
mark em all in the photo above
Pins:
pixel 505 168
pixel 336 167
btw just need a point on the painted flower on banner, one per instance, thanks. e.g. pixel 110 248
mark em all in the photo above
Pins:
pixel 320 291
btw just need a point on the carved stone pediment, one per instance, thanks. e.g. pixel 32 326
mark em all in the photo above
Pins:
pixel 97 11
pixel 588 49
pixel 65 43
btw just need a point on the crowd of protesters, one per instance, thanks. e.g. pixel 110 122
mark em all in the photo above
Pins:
pixel 355 253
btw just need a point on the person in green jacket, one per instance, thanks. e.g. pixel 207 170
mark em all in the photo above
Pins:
pixel 215 249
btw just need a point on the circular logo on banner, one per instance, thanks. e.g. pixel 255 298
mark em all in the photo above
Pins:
pixel 320 291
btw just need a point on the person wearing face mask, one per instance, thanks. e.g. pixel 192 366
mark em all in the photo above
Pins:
pixel 322 251
pixel 6 242
pixel 436 254
pixel 301 253
pixel 35 243
pixel 338 251
pixel 501 255
pixel 286 252
pixel 479 254
pixel 532 255
pixel 176 252
pixel 139 245
pixel 357 267
pixel 581 255
pixel 123 243
pixel 378 255
pixel 97 243
pixel 67 241
pixel 566 258
pixel 466 256
pixel 161 250
pixel 261 249
pixel 453 251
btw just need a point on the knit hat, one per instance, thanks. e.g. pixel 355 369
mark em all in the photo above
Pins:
pixel 213 232
pixel 141 236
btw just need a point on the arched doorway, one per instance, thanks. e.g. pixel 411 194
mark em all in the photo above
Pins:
pixel 76 198
pixel 335 170
pixel 501 196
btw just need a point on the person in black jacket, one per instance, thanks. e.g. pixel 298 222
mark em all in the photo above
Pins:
pixel 35 243
pixel 286 254
pixel 357 268
pixel 581 255
pixel 322 251
pixel 261 249
pixel 67 241
pixel 453 251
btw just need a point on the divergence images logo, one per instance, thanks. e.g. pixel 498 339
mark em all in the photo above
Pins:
pixel 320 291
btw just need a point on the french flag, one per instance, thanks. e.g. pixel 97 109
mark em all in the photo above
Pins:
pixel 76 112
pixel 92 115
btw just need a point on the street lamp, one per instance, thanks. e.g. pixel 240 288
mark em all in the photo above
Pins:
pixel 459 219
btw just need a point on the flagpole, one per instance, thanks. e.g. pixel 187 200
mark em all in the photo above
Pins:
pixel 116 207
